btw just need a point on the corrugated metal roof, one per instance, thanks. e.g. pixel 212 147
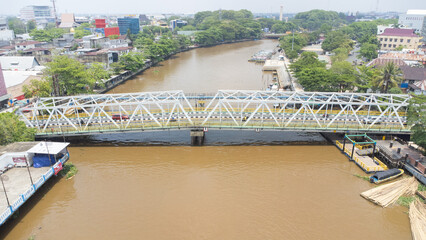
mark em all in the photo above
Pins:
pixel 20 63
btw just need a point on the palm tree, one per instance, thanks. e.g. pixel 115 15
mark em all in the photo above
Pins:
pixel 390 76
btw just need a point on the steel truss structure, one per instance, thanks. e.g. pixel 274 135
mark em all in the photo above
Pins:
pixel 319 110
pixel 82 112
pixel 311 111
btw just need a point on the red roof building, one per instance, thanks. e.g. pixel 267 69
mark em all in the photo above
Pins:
pixel 100 23
pixel 393 38
pixel 112 31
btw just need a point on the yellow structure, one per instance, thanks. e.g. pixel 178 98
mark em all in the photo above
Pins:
pixel 393 38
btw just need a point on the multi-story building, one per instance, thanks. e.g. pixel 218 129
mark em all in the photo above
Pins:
pixel 177 23
pixel 415 19
pixel 392 38
pixel 40 14
pixel 127 23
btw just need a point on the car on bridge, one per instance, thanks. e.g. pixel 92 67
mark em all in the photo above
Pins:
pixel 371 119
pixel 120 117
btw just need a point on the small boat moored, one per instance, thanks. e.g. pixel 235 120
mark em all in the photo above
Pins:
pixel 384 176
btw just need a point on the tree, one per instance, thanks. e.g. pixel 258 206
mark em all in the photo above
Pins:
pixel 417 118
pixel 46 35
pixel 365 78
pixel 79 33
pixel 390 76
pixel 316 79
pixel 98 73
pixel 16 25
pixel 306 60
pixel 340 54
pixel 132 61
pixel 336 39
pixel 343 75
pixel 68 76
pixel 294 43
pixel 37 88
pixel 31 25
pixel 14 130
pixel 369 51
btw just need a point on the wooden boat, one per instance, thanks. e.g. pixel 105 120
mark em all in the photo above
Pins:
pixel 384 176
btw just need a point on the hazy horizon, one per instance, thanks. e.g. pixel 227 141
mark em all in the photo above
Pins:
pixel 193 6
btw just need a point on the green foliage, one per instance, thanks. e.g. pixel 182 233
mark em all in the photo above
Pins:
pixel 315 19
pixel 417 118
pixel 421 188
pixel 69 170
pixel 16 25
pixel 113 36
pixel 132 61
pixel 283 27
pixel 395 90
pixel 405 200
pixel 293 44
pixel 306 60
pixel 37 88
pixel 14 130
pixel 79 33
pixel 366 178
pixel 316 79
pixel 365 77
pixel 337 39
pixel 340 54
pixel 31 25
pixel 97 72
pixel 369 51
pixel 390 76
pixel 344 76
pixel 71 76
pixel 399 48
pixel 46 35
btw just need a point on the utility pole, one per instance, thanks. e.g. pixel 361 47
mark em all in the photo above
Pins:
pixel 4 189
pixel 54 12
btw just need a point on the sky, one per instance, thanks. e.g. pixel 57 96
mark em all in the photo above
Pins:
pixel 8 7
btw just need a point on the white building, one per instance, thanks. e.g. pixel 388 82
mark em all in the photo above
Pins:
pixel 41 14
pixel 415 19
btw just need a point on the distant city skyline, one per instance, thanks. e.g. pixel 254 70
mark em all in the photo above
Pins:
pixel 193 6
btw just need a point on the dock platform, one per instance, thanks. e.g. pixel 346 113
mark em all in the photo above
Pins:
pixel 279 67
pixel 366 163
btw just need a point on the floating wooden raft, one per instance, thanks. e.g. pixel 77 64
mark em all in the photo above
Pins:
pixel 417 215
pixel 387 194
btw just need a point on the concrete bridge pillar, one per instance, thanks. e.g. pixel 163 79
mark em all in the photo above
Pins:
pixel 197 137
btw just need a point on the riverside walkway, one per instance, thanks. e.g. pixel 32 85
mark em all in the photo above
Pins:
pixel 233 109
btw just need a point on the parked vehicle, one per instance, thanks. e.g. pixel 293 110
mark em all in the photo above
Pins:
pixel 120 117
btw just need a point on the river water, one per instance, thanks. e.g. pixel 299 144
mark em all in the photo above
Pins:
pixel 215 192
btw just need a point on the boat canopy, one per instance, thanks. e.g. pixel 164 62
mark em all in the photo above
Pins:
pixel 386 174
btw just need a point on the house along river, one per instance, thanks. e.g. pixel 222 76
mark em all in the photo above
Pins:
pixel 212 192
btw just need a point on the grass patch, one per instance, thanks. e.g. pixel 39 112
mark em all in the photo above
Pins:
pixel 405 201
pixel 362 177
pixel 32 237
pixel 421 188
pixel 69 170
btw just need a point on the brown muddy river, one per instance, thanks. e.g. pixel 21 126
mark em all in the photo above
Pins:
pixel 238 192
pixel 246 192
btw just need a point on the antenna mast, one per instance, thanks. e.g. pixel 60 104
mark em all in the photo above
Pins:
pixel 54 12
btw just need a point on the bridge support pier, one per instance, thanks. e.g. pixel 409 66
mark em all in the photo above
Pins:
pixel 197 137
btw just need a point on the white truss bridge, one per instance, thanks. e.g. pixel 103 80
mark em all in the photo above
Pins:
pixel 234 109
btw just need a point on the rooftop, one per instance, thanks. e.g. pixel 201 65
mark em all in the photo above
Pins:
pixel 399 32
pixel 27 43
pixel 384 61
pixel 416 12
pixel 17 147
pixel 405 56
pixel 414 73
